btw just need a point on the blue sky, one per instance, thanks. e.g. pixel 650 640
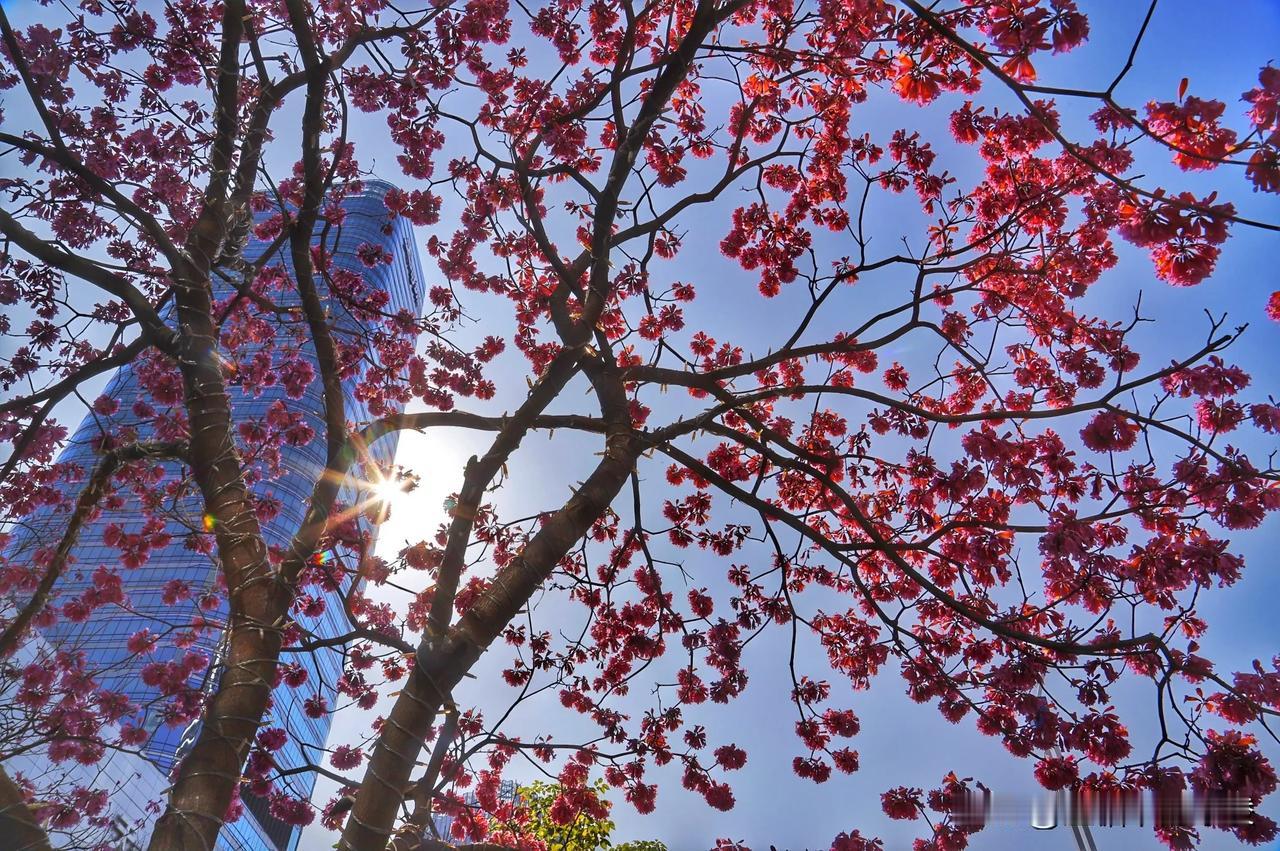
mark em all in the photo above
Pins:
pixel 902 742
pixel 1220 48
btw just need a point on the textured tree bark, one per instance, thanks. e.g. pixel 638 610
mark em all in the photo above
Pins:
pixel 445 657
pixel 416 826
pixel 18 824
pixel 442 666
pixel 258 598
pixel 209 773
pixel 207 778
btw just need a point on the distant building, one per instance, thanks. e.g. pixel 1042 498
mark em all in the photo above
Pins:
pixel 136 781
pixel 444 824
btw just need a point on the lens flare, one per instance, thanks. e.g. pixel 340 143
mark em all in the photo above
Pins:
pixel 386 490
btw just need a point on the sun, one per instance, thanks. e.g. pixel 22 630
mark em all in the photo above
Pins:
pixel 386 491
pixel 382 492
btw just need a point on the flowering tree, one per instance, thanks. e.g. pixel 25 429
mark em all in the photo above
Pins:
pixel 587 828
pixel 1018 517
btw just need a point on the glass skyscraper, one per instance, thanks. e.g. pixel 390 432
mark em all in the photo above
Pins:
pixel 149 590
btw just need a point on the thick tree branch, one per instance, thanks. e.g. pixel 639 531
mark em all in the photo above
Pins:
pixel 18 823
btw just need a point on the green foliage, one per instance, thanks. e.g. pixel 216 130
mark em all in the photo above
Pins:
pixel 584 833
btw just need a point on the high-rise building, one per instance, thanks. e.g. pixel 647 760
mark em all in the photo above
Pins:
pixel 137 780
pixel 442 825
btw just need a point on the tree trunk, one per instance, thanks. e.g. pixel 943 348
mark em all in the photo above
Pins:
pixel 441 668
pixel 18 824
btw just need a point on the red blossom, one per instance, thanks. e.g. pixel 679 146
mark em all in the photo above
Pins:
pixel 1110 431
pixel 912 423
pixel 901 803
pixel 1057 772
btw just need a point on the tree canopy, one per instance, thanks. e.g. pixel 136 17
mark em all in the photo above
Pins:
pixel 576 821
pixel 894 423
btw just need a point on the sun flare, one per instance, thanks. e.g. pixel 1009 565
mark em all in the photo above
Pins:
pixel 386 491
